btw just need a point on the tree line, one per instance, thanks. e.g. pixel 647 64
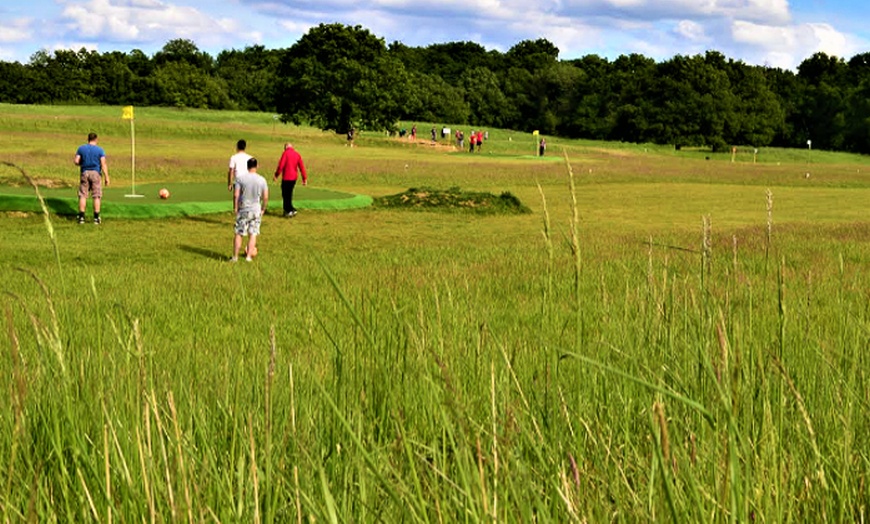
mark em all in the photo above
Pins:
pixel 340 77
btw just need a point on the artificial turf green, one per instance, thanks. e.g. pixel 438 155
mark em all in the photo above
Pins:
pixel 185 200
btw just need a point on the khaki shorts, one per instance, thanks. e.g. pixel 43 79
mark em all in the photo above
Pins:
pixel 91 183
pixel 248 223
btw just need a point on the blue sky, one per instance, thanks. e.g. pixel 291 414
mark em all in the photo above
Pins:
pixel 778 33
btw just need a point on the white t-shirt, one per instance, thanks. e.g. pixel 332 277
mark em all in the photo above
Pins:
pixel 239 163
pixel 251 188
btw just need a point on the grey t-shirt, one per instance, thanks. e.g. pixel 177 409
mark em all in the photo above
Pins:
pixel 251 187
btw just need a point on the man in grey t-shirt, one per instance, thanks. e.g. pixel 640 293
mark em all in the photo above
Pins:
pixel 250 199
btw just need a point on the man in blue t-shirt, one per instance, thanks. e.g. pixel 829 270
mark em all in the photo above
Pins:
pixel 92 160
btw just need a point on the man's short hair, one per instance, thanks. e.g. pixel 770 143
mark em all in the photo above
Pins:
pixel 252 163
pixel 241 145
pixel 92 136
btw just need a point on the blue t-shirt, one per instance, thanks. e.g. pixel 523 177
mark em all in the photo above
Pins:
pixel 90 157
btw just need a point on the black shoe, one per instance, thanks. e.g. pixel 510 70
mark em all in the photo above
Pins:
pixel 97 220
pixel 81 219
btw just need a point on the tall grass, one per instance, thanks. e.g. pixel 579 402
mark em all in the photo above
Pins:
pixel 381 367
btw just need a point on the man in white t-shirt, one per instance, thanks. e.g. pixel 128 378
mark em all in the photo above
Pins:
pixel 250 199
pixel 238 163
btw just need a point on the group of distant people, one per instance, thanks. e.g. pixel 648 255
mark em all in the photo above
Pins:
pixel 250 190
pixel 475 140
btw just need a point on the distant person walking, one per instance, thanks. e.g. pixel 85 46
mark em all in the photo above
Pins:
pixel 250 200
pixel 289 168
pixel 542 147
pixel 91 160
pixel 472 140
pixel 238 163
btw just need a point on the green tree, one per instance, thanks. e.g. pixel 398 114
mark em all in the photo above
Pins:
pixel 16 83
pixel 184 85
pixel 822 107
pixel 139 63
pixel 183 50
pixel 484 96
pixel 450 61
pixel 857 116
pixel 339 77
pixel 554 92
pixel 250 76
pixel 590 101
pixel 532 55
pixel 60 77
pixel 758 116
pixel 109 76
pixel 633 77
pixel 695 99
pixel 787 89
pixel 431 99
pixel 525 102
pixel 522 84
pixel 857 119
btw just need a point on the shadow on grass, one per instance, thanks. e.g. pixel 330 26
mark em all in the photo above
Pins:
pixel 205 219
pixel 207 253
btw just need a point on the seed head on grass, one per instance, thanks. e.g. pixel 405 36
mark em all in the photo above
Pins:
pixel 769 195
pixel 659 410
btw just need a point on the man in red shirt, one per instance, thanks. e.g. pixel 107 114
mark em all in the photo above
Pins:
pixel 289 168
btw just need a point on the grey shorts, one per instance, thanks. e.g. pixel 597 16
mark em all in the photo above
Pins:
pixel 248 223
pixel 92 184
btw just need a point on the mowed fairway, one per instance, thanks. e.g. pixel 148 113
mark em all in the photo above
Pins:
pixel 615 361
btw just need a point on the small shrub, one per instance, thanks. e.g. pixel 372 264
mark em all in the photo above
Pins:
pixel 453 199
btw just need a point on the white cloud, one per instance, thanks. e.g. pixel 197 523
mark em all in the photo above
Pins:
pixel 691 31
pixel 17 30
pixel 576 27
pixel 134 21
pixel 787 46
pixel 767 11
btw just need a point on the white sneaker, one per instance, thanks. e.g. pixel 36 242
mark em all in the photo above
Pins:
pixel 234 259
pixel 249 259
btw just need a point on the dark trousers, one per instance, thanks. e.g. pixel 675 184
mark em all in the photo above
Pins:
pixel 287 187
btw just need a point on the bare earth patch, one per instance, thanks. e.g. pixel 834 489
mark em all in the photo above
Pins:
pixel 48 183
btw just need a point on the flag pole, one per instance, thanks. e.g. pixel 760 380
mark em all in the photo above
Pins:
pixel 128 115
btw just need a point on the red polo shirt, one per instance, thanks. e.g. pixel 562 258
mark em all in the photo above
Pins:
pixel 290 165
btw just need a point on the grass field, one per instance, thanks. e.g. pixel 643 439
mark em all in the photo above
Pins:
pixel 666 337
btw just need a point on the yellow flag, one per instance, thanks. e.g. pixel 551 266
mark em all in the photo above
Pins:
pixel 127 113
pixel 535 132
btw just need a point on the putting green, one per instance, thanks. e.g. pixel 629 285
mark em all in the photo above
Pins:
pixel 185 200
